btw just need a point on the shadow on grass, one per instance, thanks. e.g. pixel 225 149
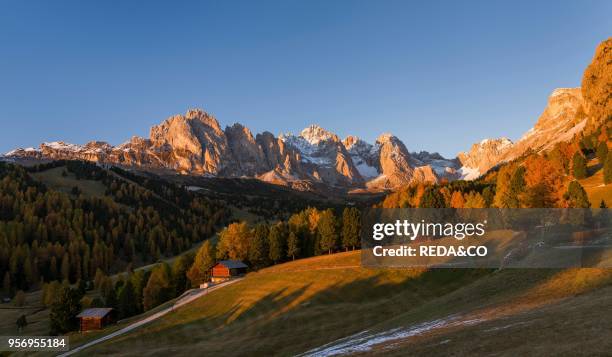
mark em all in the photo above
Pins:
pixel 288 320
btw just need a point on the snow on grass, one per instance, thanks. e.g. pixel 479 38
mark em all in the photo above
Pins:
pixel 365 341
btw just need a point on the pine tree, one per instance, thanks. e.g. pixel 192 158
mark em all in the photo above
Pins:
pixel 179 273
pixel 488 194
pixel 139 281
pixel 327 229
pixel 276 243
pixel 6 283
pixel 432 198
pixel 351 227
pixel 517 187
pixel 293 245
pixel 258 247
pixel 66 267
pixel 110 298
pixel 602 152
pixel 127 300
pixel 576 196
pixel 52 293
pixel 579 167
pixel 64 311
pixel 474 200
pixel 608 169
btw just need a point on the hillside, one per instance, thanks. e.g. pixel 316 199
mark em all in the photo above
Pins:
pixel 66 219
pixel 300 306
pixel 595 186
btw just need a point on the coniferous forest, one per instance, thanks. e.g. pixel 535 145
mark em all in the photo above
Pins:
pixel 48 235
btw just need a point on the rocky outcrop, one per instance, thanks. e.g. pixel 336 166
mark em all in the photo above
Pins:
pixel 365 156
pixel 249 158
pixel 195 142
pixel 483 156
pixel 323 156
pixel 563 117
pixel 394 160
pixel 597 86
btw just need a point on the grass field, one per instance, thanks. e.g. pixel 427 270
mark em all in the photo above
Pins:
pixel 53 179
pixel 36 315
pixel 596 190
pixel 594 185
pixel 296 307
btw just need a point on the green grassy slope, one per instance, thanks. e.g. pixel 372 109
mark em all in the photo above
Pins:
pixel 298 306
pixel 595 187
pixel 53 179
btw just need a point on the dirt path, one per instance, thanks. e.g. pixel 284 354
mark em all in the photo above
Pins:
pixel 186 298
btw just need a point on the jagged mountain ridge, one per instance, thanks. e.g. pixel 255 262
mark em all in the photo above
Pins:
pixel 195 144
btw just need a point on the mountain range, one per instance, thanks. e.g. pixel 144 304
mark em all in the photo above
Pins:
pixel 195 144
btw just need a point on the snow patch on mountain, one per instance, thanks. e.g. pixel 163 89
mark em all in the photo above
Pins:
pixel 60 145
pixel 366 171
pixel 309 149
pixel 469 173
pixel 314 134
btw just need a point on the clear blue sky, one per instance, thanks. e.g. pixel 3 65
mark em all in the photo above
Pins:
pixel 438 74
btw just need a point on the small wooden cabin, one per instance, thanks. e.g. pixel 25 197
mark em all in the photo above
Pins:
pixel 228 269
pixel 95 318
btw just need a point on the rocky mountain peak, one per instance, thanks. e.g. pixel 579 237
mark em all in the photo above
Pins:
pixel 314 134
pixel 564 107
pixel 204 118
pixel 483 156
pixel 596 88
pixel 350 141
pixel 563 117
pixel 386 138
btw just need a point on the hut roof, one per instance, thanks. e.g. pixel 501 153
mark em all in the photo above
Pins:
pixel 95 312
pixel 233 264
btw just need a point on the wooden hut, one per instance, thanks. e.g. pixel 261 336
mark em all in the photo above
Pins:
pixel 228 269
pixel 95 318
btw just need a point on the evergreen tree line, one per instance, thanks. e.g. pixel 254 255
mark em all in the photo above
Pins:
pixel 48 235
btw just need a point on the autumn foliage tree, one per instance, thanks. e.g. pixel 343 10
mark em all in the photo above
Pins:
pixel 159 287
pixel 457 200
pixel 205 259
pixel 234 242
